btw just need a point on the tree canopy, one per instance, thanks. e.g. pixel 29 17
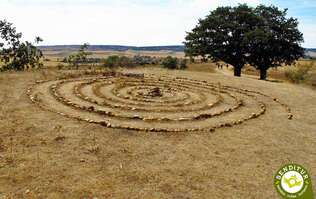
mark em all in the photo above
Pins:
pixel 14 53
pixel 261 36
pixel 275 41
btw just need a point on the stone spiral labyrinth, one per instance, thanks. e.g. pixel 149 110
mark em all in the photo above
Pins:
pixel 151 103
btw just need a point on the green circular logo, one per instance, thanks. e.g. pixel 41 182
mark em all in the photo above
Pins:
pixel 293 181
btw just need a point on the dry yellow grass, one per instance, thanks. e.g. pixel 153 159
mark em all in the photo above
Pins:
pixel 44 155
pixel 285 73
pixel 202 67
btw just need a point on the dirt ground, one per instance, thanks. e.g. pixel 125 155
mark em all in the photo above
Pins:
pixel 45 155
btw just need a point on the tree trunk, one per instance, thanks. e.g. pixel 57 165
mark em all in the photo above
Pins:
pixel 237 71
pixel 263 74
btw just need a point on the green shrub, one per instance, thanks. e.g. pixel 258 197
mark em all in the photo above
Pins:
pixel 111 61
pixel 145 60
pixel 116 61
pixel 170 62
pixel 125 62
pixel 183 64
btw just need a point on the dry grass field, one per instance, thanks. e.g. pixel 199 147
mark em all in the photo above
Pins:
pixel 103 54
pixel 199 133
pixel 303 72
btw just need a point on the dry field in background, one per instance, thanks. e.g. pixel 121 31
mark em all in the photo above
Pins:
pixel 105 54
pixel 274 73
pixel 303 72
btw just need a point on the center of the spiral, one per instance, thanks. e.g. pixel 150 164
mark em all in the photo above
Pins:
pixel 154 92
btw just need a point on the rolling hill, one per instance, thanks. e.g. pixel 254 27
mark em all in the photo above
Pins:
pixel 310 52
pixel 175 48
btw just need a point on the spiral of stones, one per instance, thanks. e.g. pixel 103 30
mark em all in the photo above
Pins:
pixel 125 101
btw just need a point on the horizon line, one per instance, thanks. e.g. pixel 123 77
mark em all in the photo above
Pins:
pixel 51 45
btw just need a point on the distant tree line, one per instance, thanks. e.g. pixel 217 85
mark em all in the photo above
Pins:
pixel 124 61
pixel 262 37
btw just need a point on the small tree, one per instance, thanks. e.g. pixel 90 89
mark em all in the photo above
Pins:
pixel 15 54
pixel 80 56
pixel 170 62
pixel 275 41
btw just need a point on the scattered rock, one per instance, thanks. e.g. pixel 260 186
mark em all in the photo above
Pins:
pixel 155 92
pixel 60 138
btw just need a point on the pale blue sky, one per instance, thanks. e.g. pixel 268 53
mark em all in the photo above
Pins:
pixel 130 22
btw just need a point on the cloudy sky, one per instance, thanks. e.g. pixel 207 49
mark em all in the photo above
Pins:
pixel 130 22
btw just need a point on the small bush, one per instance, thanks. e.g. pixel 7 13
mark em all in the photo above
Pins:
pixel 60 66
pixel 118 61
pixel 144 60
pixel 126 62
pixel 183 64
pixel 111 61
pixel 170 62
pixel 298 75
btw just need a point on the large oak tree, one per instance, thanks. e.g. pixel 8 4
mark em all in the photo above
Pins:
pixel 261 36
pixel 275 41
pixel 221 36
